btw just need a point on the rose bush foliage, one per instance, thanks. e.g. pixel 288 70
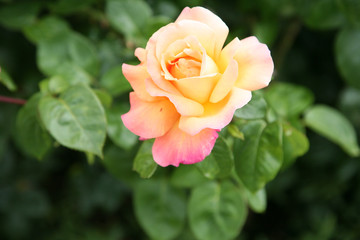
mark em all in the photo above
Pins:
pixel 194 91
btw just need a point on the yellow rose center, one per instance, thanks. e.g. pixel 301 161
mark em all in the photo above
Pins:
pixel 184 67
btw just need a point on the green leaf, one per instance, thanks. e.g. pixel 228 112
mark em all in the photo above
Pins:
pixel 351 9
pixel 73 74
pixel 57 85
pixel 144 163
pixel 124 16
pixel 76 119
pixel 116 129
pixel 32 137
pixel 347 51
pixel 6 80
pixel 257 200
pixel 104 97
pixel 255 109
pixel 56 55
pixel 216 211
pixel 331 124
pixel 52 54
pixel 350 105
pixel 259 158
pixel 187 176
pixel 235 132
pixel 82 52
pixel 48 28
pixel 219 163
pixel 116 162
pixel 159 208
pixel 115 82
pixel 295 144
pixel 18 15
pixel 112 52
pixel 288 99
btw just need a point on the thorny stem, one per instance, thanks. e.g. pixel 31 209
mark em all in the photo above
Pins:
pixel 12 100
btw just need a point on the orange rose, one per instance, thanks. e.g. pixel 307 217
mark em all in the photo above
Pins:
pixel 187 86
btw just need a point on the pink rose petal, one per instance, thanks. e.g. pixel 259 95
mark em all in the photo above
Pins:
pixel 177 147
pixel 150 119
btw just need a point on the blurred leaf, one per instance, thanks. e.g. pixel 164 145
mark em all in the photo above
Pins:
pixel 115 82
pixel 19 15
pixel 83 53
pixel 321 14
pixel 70 6
pixel 167 8
pixel 235 132
pixel 61 51
pixel 159 208
pixel 288 99
pixel 124 16
pixel 116 129
pixel 7 81
pixel 46 29
pixel 67 49
pixel 57 85
pixel 257 200
pixel 52 54
pixel 144 163
pixel 33 139
pixel 351 9
pixel 255 109
pixel 111 51
pixel 259 158
pixel 331 124
pixel 347 51
pixel 350 105
pixel 216 211
pixel 73 74
pixel 76 119
pixel 187 176
pixel 219 163
pixel 118 163
pixel 104 97
pixel 295 144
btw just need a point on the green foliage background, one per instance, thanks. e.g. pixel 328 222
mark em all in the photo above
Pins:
pixel 64 57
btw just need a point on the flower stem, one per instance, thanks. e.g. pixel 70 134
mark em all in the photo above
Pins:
pixel 12 100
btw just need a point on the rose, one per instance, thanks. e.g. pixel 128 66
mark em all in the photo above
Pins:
pixel 187 86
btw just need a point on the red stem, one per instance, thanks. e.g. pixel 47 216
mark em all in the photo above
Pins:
pixel 12 100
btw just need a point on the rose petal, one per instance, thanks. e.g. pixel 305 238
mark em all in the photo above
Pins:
pixel 255 64
pixel 228 53
pixel 216 115
pixel 182 29
pixel 225 83
pixel 205 16
pixel 197 88
pixel 136 76
pixel 177 147
pixel 140 53
pixel 150 119
pixel 184 106
pixel 208 66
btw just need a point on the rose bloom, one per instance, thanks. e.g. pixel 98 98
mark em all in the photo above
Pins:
pixel 187 86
